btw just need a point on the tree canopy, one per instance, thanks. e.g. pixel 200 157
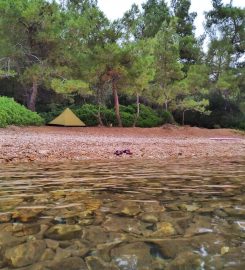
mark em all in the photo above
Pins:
pixel 57 53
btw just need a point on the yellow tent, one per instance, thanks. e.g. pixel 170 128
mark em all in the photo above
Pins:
pixel 68 119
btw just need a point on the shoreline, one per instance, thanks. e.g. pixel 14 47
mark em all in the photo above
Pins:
pixel 56 144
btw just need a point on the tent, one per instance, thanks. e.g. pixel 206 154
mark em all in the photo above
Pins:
pixel 68 119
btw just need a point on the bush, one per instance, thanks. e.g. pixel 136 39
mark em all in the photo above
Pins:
pixel 49 116
pixel 12 113
pixel 148 117
pixel 88 114
pixel 167 117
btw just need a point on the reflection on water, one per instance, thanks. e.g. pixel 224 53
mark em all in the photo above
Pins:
pixel 123 215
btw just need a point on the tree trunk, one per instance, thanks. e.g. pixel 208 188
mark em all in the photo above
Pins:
pixel 116 105
pixel 99 118
pixel 183 118
pixel 33 96
pixel 138 109
pixel 166 106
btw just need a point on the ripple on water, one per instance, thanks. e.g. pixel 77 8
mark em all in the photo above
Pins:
pixel 124 215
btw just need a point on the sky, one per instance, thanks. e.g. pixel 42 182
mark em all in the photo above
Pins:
pixel 115 9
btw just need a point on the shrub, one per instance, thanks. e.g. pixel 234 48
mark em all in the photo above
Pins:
pixel 12 113
pixel 88 114
pixel 127 119
pixel 167 117
pixel 148 117
pixel 49 116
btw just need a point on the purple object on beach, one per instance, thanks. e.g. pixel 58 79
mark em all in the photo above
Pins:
pixel 120 152
pixel 128 152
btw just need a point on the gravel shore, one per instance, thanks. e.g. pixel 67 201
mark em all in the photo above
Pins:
pixel 48 144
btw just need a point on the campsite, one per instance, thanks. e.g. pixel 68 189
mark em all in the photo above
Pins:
pixel 122 135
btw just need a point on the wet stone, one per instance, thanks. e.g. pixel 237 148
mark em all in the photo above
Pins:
pixel 97 235
pixel 154 206
pixel 189 208
pixel 149 218
pixel 121 224
pixel 53 244
pixel 209 243
pixel 72 263
pixel 130 209
pixel 104 250
pixel 5 217
pixel 8 240
pixel 170 248
pixel 220 213
pixel 25 254
pixel 47 255
pixel 26 215
pixel 27 230
pixel 64 232
pixel 186 260
pixel 36 266
pixel 7 204
pixel 214 262
pixel 236 212
pixel 183 222
pixel 200 225
pixel 163 229
pixel 95 263
pixel 133 256
pixel 62 254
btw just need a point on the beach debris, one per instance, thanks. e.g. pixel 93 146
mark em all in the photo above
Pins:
pixel 121 152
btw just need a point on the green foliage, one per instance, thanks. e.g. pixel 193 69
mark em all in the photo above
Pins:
pixel 12 113
pixel 68 52
pixel 167 117
pixel 88 114
pixel 50 115
pixel 155 13
pixel 148 117
pixel 70 86
pixel 189 104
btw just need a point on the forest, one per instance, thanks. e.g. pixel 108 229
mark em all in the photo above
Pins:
pixel 144 69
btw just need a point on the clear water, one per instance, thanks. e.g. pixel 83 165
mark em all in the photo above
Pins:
pixel 126 215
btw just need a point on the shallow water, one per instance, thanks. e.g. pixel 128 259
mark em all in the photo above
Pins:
pixel 126 215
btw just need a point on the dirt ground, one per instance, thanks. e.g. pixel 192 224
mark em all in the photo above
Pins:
pixel 24 144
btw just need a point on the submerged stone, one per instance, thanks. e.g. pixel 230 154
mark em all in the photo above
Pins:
pixel 5 217
pixel 163 229
pixel 48 254
pixel 170 248
pixel 26 215
pixel 123 224
pixel 189 208
pixel 95 263
pixel 53 244
pixel 72 263
pixel 97 235
pixel 63 232
pixel 186 261
pixel 236 212
pixel 224 250
pixel 126 208
pixel 149 218
pixel 62 254
pixel 25 254
pixel 132 256
pixel 8 240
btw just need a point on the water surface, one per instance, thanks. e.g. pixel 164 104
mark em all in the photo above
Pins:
pixel 123 215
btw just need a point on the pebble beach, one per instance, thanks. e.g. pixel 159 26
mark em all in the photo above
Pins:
pixel 50 144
